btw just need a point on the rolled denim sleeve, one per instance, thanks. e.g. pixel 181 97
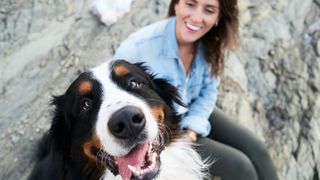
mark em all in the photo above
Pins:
pixel 127 51
pixel 197 117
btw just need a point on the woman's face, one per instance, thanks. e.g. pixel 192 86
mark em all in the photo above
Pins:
pixel 195 18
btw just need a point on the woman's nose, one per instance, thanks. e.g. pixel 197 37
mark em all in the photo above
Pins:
pixel 197 16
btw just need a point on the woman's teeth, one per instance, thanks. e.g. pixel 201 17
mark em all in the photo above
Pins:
pixel 192 27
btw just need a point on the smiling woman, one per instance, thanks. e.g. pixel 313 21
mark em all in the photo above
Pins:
pixel 221 20
pixel 187 49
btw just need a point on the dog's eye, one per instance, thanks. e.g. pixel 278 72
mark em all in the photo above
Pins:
pixel 86 104
pixel 135 84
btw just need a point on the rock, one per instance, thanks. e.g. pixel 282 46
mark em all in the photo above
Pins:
pixel 318 47
pixel 296 12
pixel 245 18
pixel 244 5
pixel 235 70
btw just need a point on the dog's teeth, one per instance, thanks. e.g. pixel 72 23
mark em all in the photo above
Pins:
pixel 143 164
pixel 144 171
pixel 150 147
pixel 133 169
pixel 154 157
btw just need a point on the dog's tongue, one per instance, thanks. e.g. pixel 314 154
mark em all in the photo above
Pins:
pixel 134 158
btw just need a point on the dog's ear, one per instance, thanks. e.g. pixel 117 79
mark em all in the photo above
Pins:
pixel 59 133
pixel 168 92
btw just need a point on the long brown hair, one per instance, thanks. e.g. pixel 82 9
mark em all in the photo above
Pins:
pixel 221 37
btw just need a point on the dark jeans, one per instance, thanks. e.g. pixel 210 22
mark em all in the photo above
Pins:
pixel 238 153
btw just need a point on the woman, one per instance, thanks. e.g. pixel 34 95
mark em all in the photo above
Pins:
pixel 187 49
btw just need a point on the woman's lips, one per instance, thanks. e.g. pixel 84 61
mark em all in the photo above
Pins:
pixel 192 28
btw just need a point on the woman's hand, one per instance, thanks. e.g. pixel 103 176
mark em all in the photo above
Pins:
pixel 190 135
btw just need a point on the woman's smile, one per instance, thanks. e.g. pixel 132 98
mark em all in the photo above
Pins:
pixel 193 28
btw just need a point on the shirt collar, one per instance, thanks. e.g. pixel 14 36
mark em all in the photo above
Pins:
pixel 170 44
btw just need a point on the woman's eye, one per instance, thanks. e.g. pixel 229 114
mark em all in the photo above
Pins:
pixel 86 104
pixel 135 84
pixel 190 4
pixel 209 11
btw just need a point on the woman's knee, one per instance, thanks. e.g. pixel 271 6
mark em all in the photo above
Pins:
pixel 229 163
pixel 242 168
pixel 258 151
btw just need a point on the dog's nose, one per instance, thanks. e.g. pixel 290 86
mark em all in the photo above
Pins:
pixel 127 122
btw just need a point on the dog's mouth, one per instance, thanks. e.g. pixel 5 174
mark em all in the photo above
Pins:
pixel 142 162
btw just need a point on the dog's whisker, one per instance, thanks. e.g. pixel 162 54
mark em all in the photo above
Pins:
pixel 99 154
pixel 153 99
pixel 165 130
pixel 103 156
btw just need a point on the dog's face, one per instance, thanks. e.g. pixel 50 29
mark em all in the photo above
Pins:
pixel 116 117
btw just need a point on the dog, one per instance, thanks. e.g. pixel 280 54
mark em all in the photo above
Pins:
pixel 117 121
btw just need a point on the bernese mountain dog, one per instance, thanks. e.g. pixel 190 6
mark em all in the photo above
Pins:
pixel 116 121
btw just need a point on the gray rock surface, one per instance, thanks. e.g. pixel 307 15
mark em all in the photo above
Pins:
pixel 271 84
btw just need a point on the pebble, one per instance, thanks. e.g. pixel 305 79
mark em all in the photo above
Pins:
pixel 244 4
pixel 63 52
pixel 43 63
pixel 76 61
pixel 14 138
pixel 55 74
pixel 21 132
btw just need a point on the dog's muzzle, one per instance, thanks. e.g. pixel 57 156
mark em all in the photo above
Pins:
pixel 128 126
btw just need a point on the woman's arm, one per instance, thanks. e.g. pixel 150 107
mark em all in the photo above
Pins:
pixel 201 108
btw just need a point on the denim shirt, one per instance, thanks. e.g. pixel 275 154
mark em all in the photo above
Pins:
pixel 156 45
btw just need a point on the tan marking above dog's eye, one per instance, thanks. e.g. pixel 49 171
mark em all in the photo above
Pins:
pixel 121 70
pixel 85 87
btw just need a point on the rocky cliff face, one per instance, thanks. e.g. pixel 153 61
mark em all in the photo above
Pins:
pixel 271 84
pixel 277 75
